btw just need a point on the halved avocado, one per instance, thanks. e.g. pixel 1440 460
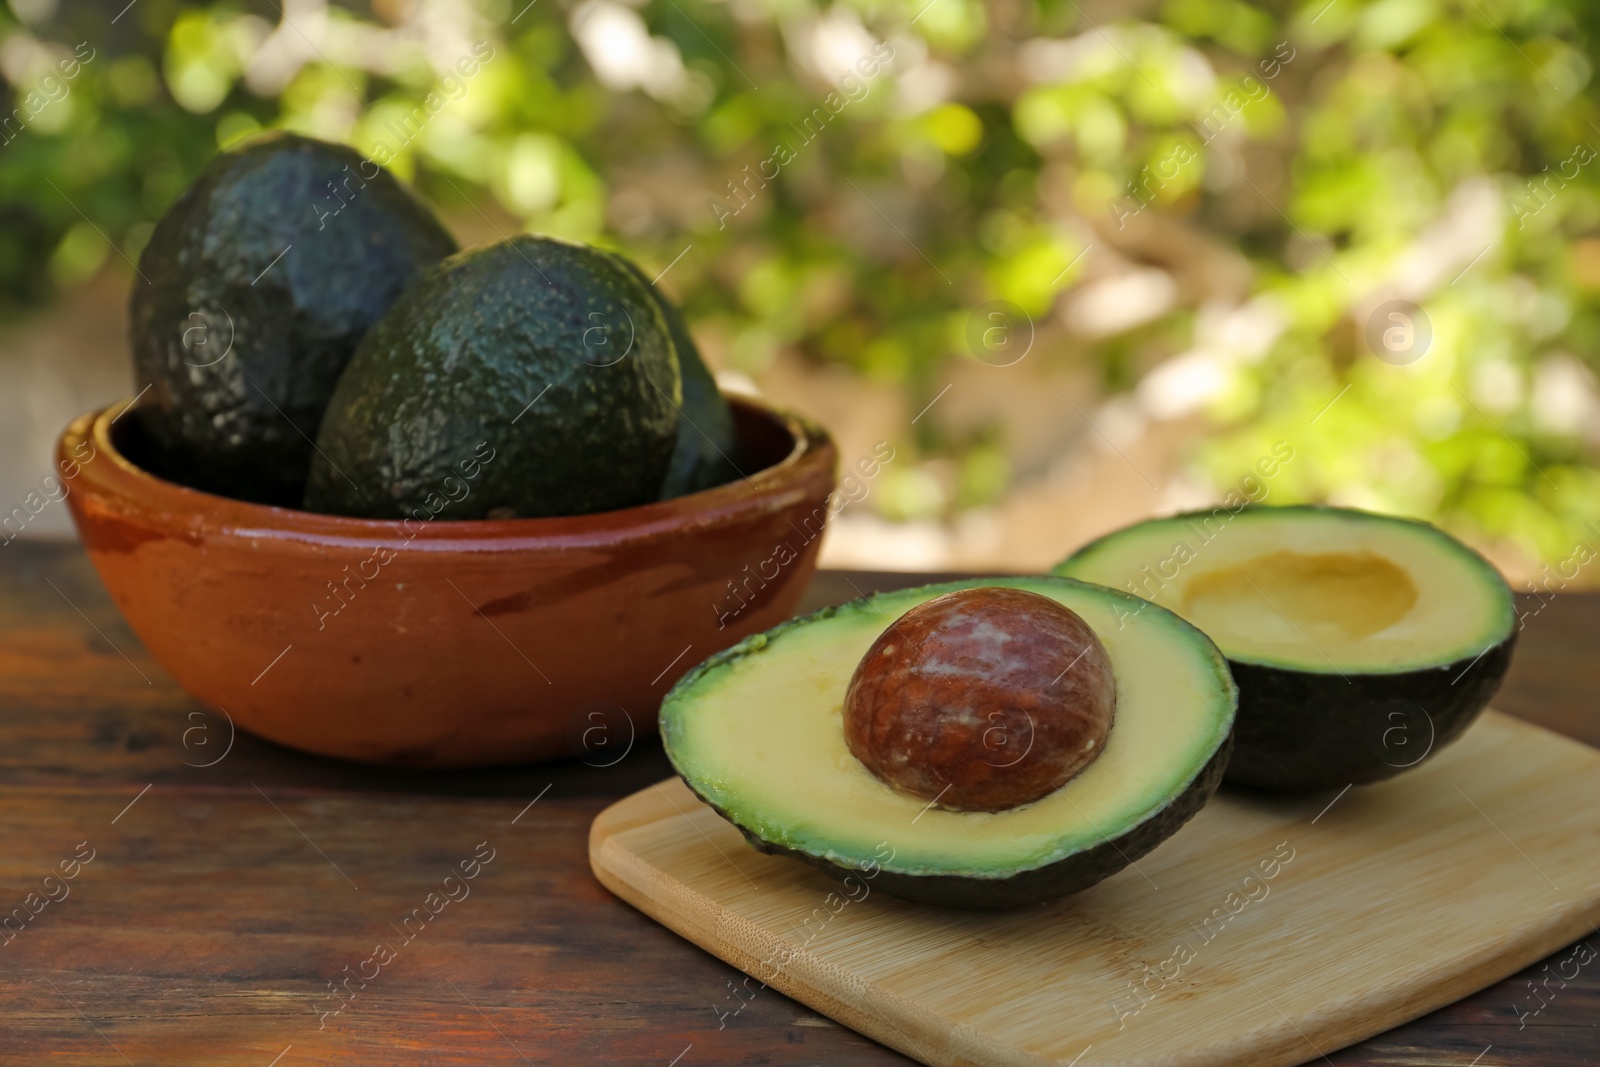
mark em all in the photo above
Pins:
pixel 1361 643
pixel 757 732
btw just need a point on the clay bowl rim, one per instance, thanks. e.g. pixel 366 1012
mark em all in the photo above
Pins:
pixel 151 501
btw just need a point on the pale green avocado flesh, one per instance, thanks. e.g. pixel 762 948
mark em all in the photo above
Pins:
pixel 1361 643
pixel 1327 590
pixel 757 732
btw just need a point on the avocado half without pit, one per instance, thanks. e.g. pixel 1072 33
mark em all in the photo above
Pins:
pixel 981 744
pixel 1361 643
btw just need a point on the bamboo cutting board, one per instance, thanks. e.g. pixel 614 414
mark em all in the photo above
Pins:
pixel 1267 932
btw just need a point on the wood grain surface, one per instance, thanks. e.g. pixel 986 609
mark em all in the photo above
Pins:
pixel 1349 907
pixel 219 906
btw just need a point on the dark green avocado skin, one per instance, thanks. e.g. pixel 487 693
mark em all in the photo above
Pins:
pixel 263 259
pixel 1302 731
pixel 526 378
pixel 707 451
pixel 1040 885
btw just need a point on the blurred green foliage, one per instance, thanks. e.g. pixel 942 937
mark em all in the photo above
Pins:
pixel 1285 169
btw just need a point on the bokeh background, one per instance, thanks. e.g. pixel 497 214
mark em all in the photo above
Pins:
pixel 1076 262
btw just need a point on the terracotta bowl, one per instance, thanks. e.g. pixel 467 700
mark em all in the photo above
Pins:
pixel 447 644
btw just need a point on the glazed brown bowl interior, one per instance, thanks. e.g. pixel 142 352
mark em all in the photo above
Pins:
pixel 447 643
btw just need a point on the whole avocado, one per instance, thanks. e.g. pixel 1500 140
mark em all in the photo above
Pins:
pixel 527 378
pixel 256 287
pixel 707 450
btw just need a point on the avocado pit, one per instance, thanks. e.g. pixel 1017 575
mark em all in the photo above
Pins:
pixel 982 699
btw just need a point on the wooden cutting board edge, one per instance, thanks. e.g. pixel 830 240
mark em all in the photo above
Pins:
pixel 921 1034
pixel 808 980
pixel 613 866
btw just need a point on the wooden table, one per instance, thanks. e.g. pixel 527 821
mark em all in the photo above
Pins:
pixel 222 902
